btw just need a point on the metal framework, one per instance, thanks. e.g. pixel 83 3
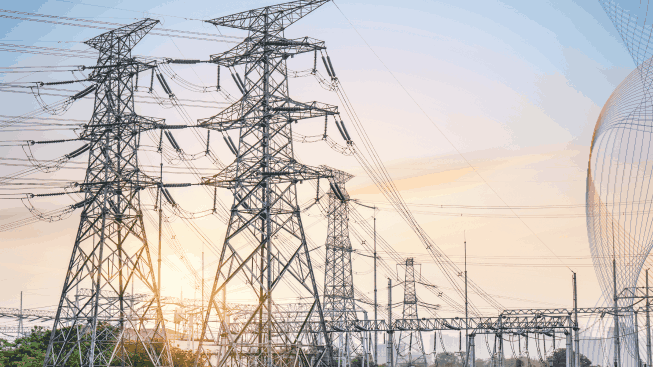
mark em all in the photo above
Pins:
pixel 263 180
pixel 110 253
pixel 410 345
pixel 339 300
pixel 477 325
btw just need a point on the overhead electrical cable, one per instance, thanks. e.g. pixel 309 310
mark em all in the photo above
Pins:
pixel 428 242
pixel 160 32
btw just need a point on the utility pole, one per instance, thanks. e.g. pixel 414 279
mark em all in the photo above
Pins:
pixel 202 307
pixel 648 325
pixel 111 250
pixel 466 305
pixel 389 352
pixel 615 333
pixel 638 361
pixel 263 179
pixel 570 346
pixel 20 318
pixel 576 328
pixel 471 351
pixel 160 202
pixel 376 305
pixel 502 354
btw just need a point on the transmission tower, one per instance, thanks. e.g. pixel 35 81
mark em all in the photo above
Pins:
pixel 263 180
pixel 110 255
pixel 410 346
pixel 339 302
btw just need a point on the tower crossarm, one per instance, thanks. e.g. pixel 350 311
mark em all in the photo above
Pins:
pixel 127 65
pixel 27 314
pixel 564 311
pixel 230 177
pixel 252 49
pixel 236 117
pixel 479 325
pixel 135 124
pixel 10 331
pixel 272 19
pixel 121 40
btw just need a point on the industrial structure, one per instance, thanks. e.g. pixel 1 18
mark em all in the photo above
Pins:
pixel 410 345
pixel 111 252
pixel 265 253
pixel 263 180
pixel 339 297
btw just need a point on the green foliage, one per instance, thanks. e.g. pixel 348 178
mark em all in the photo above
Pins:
pixel 448 359
pixel 28 351
pixel 357 361
pixel 559 358
pixel 182 358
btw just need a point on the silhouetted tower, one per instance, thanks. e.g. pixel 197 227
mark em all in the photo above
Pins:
pixel 410 346
pixel 110 255
pixel 263 180
pixel 339 302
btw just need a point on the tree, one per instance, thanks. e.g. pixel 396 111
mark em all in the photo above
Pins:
pixel 357 361
pixel 182 358
pixel 559 358
pixel 448 359
pixel 27 351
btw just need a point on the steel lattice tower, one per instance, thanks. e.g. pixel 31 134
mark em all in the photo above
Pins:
pixel 110 255
pixel 410 346
pixel 339 302
pixel 263 180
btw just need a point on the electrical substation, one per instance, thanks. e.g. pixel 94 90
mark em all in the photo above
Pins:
pixel 275 296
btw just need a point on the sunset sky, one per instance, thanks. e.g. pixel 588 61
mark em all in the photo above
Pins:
pixel 514 88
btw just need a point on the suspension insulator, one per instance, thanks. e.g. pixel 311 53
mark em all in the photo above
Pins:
pixel 172 140
pixel 177 185
pixel 326 66
pixel 333 72
pixel 336 192
pixel 164 84
pixel 81 203
pixel 218 79
pixel 237 83
pixel 345 130
pixel 182 61
pixel 229 145
pixel 79 151
pixel 242 84
pixel 344 137
pixel 208 140
pixel 59 83
pixel 85 92
pixel 233 145
pixel 152 80
pixel 166 194
pixel 340 194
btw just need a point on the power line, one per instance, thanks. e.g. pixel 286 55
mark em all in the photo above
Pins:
pixel 101 25
pixel 445 136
